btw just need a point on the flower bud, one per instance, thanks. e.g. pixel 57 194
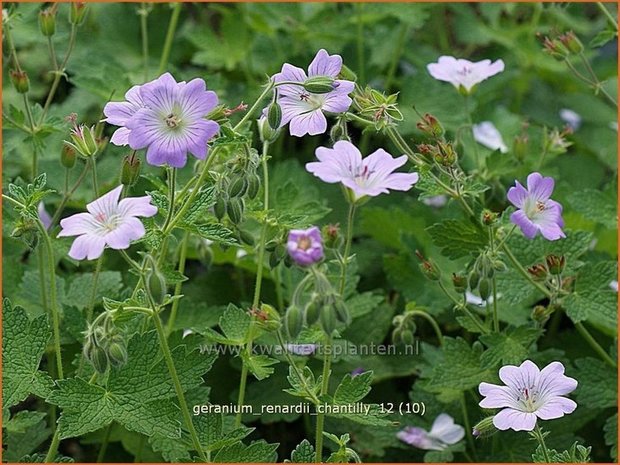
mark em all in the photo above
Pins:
pixel 237 187
pixel 274 115
pixel 406 337
pixel 555 264
pixel 397 336
pixel 520 146
pixel 484 288
pixel 78 11
pixel 156 283
pixel 474 279
pixel 488 217
pixel 347 74
pixel 447 155
pixel 430 125
pixel 342 312
pixel 267 318
pixel 98 358
pixel 47 21
pixel 312 312
pixel 428 268
pixel 459 282
pixel 541 314
pixel 339 132
pixel 331 233
pixel 327 319
pixel 234 209
pixel 484 428
pixel 571 42
pixel 253 186
pixel 130 170
pixel 117 352
pixel 219 208
pixel 67 156
pixel 265 131
pixel 319 84
pixel 20 80
pixel 538 271
pixel 293 321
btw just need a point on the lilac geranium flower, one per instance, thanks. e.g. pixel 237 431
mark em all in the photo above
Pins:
pixel 303 110
pixel 44 216
pixel 443 433
pixel 305 246
pixel 487 134
pixel 167 118
pixel 464 74
pixel 536 211
pixel 370 176
pixel 529 394
pixel 108 222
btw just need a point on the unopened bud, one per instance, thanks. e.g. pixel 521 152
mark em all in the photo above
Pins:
pixel 555 264
pixel 459 282
pixel 484 288
pixel 83 141
pixel 430 125
pixel 156 283
pixel 267 318
pixel 347 74
pixel 484 428
pixel 219 208
pixel 571 42
pixel 428 268
pixel 253 186
pixel 293 321
pixel 327 319
pixel 47 21
pixel 130 170
pixel 342 312
pixel 117 353
pixel 520 146
pixel 312 312
pixel 538 271
pixel 488 217
pixel 234 209
pixel 265 131
pixel 20 80
pixel 78 11
pixel 67 156
pixel 319 84
pixel 447 155
pixel 98 358
pixel 274 115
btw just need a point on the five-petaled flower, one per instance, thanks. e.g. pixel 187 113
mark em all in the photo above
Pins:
pixel 370 176
pixel 529 394
pixel 464 74
pixel 305 246
pixel 303 110
pixel 167 118
pixel 443 433
pixel 107 222
pixel 536 211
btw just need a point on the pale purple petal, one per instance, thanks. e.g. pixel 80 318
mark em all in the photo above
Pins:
pixel 539 187
pixel 495 396
pixel 517 377
pixel 44 216
pixel 120 136
pixel 325 64
pixel 515 420
pixel 75 225
pixel 311 123
pixel 445 430
pixel 517 195
pixel 137 206
pixel 528 228
pixel 130 230
pixel 106 204
pixel 556 408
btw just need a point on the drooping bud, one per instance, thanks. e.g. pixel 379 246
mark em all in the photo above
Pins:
pixel 312 312
pixel 459 282
pixel 156 282
pixel 541 314
pixel 220 208
pixel 319 84
pixel 20 80
pixel 327 319
pixel 520 146
pixel 293 321
pixel 253 186
pixel 265 131
pixel 484 288
pixel 331 233
pixel 555 264
pixel 78 11
pixel 347 74
pixel 342 311
pixel 47 21
pixel 484 428
pixel 67 156
pixel 238 187
pixel 234 209
pixel 274 115
pixel 130 170
pixel 474 279
pixel 117 352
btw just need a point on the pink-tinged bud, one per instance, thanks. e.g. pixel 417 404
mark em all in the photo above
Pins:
pixel 78 11
pixel 555 264
pixel 538 271
pixel 20 80
pixel 428 267
pixel 430 125
pixel 47 20
pixel 489 217
pixel 571 42
pixel 67 156
pixel 459 282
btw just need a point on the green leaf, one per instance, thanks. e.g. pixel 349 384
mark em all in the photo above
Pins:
pixel 23 345
pixel 25 432
pixel 139 395
pixel 353 388
pixel 597 206
pixel 603 37
pixel 457 238
pixel 259 365
pixel 204 200
pixel 212 231
pixel 611 435
pixel 597 384
pixel 258 451
pixel 303 453
pixel 510 348
pixel 213 435
pixel 109 285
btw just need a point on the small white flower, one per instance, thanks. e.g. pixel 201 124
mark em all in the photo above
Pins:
pixel 614 285
pixel 487 134
pixel 437 201
pixel 570 117
pixel 443 433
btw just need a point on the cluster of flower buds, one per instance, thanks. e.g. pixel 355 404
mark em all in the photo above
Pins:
pixel 404 325
pixel 85 140
pixel 482 272
pixel 104 344
pixel 540 313
pixel 277 252
pixel 378 107
pixel 242 183
pixel 561 46
pixel 442 153
pixel 553 266
pixel 428 267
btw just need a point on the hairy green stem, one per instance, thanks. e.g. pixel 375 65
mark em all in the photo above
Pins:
pixel 468 430
pixel 248 114
pixel 93 292
pixel 470 121
pixel 538 434
pixel 104 445
pixel 463 306
pixel 320 419
pixel 144 12
pixel 177 288
pixel 347 248
pixel 67 195
pixel 595 345
pixel 172 26
pixel 432 321
pixel 608 15
pixel 524 272
pixel 259 278
pixel 298 373
pixel 163 342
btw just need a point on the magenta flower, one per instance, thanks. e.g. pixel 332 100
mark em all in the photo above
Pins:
pixel 464 74
pixel 536 211
pixel 303 109
pixel 529 394
pixel 305 246
pixel 108 222
pixel 443 433
pixel 370 176
pixel 167 118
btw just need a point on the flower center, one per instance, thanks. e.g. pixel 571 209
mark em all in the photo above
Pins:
pixel 107 223
pixel 528 399
pixel 362 174
pixel 534 208
pixel 304 243
pixel 464 71
pixel 172 120
pixel 315 101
